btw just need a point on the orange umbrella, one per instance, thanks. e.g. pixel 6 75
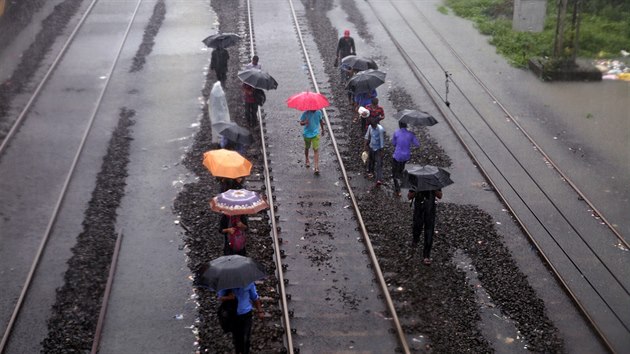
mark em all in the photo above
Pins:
pixel 226 163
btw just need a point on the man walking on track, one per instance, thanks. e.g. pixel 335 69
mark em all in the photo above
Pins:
pixel 424 217
pixel 219 63
pixel 313 125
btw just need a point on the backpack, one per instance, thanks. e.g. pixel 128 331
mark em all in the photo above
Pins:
pixel 227 314
pixel 260 97
pixel 237 240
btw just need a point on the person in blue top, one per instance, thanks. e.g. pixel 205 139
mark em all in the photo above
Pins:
pixel 374 144
pixel 402 141
pixel 242 327
pixel 313 127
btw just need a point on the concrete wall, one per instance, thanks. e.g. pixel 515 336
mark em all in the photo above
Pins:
pixel 529 15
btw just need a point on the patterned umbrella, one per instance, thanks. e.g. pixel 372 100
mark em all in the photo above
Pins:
pixel 238 202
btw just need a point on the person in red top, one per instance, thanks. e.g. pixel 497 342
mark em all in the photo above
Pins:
pixel 251 108
pixel 376 111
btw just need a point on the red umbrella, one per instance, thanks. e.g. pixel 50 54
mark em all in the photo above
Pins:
pixel 308 101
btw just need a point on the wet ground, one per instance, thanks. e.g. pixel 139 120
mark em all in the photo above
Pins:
pixel 437 304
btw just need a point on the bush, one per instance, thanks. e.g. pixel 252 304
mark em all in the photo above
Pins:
pixel 604 29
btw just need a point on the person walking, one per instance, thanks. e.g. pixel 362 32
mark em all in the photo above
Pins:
pixel 313 126
pixel 251 105
pixel 403 140
pixel 219 63
pixel 242 326
pixel 254 63
pixel 345 46
pixel 376 111
pixel 374 144
pixel 424 218
pixel 233 229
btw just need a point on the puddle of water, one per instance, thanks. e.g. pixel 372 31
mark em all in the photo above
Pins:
pixel 499 329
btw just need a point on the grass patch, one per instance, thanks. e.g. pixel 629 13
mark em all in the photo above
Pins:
pixel 604 30
pixel 443 10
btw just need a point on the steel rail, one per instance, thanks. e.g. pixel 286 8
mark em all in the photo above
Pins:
pixel 424 82
pixel 18 122
pixel 108 290
pixel 377 269
pixel 519 126
pixel 53 219
pixel 272 215
pixel 577 232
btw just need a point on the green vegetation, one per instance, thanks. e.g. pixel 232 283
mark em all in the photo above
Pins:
pixel 604 29
pixel 443 10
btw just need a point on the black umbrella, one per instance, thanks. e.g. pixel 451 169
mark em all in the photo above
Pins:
pixel 237 134
pixel 229 272
pixel 358 63
pixel 221 40
pixel 365 81
pixel 417 118
pixel 258 79
pixel 426 178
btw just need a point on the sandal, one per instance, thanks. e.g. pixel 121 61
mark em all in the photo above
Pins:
pixel 308 164
pixel 316 172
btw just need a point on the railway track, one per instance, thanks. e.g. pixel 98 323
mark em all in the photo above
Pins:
pixel 55 176
pixel 584 250
pixel 312 318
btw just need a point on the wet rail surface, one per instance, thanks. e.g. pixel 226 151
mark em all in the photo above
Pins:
pixel 586 253
pixel 54 165
pixel 334 287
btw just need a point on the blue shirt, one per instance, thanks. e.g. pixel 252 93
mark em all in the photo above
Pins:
pixel 245 296
pixel 311 130
pixel 402 141
pixel 376 137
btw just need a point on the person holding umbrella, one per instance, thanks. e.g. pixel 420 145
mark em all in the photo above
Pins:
pixel 426 185
pixel 242 324
pixel 313 124
pixel 251 105
pixel 233 228
pixel 403 140
pixel 374 144
pixel 311 103
pixel 219 63
pixel 233 277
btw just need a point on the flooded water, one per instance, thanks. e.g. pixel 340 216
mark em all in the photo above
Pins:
pixel 499 329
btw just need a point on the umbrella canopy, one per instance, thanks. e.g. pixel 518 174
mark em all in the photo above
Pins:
pixel 308 101
pixel 237 134
pixel 258 79
pixel 221 40
pixel 358 63
pixel 417 118
pixel 238 202
pixel 366 81
pixel 426 178
pixel 226 163
pixel 229 272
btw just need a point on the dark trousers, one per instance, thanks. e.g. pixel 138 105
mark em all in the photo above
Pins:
pixel 424 218
pixel 221 75
pixel 375 163
pixel 397 169
pixel 251 113
pixel 241 335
